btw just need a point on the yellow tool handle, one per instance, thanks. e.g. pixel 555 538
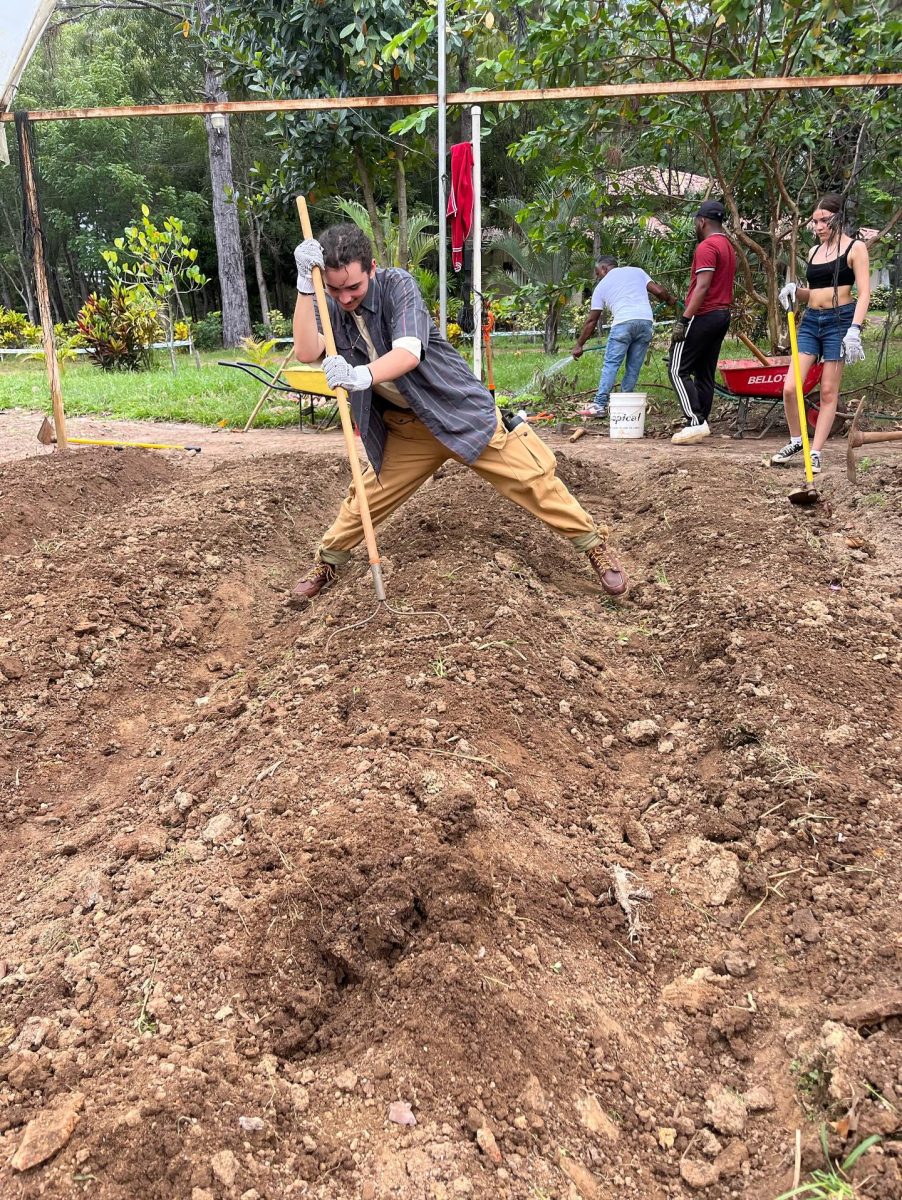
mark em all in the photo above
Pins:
pixel 344 411
pixel 800 399
pixel 132 445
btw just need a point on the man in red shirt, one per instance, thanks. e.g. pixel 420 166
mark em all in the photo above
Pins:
pixel 700 331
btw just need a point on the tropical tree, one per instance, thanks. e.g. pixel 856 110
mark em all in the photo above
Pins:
pixel 407 248
pixel 236 319
pixel 550 241
pixel 161 260
pixel 767 154
pixel 351 47
pixel 91 172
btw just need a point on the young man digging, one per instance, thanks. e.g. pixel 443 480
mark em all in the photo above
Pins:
pixel 417 404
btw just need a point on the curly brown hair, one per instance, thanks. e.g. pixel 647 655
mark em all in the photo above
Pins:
pixel 346 244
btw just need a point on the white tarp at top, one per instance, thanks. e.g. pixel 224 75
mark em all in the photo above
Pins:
pixel 21 24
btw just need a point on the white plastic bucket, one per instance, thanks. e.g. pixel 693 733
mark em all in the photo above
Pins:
pixel 628 414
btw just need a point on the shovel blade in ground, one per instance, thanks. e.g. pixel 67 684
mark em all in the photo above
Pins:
pixel 805 496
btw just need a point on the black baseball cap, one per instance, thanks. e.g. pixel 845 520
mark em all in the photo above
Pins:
pixel 712 209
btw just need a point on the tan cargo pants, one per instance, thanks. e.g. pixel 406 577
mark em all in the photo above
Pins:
pixel 517 464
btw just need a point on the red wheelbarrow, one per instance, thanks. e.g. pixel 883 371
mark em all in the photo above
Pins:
pixel 749 382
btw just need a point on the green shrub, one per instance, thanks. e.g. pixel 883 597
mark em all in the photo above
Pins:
pixel 882 299
pixel 207 332
pixel 16 331
pixel 280 326
pixel 455 304
pixel 516 313
pixel 118 330
pixel 576 315
pixel 257 351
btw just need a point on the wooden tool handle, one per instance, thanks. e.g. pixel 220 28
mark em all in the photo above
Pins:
pixel 873 436
pixel 344 411
pixel 750 345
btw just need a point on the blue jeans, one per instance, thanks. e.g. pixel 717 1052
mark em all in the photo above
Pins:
pixel 629 340
pixel 822 330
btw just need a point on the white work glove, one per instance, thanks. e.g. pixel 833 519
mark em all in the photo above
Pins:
pixel 340 374
pixel 852 350
pixel 788 296
pixel 307 256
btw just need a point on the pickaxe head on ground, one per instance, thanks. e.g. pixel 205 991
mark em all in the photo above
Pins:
pixel 857 438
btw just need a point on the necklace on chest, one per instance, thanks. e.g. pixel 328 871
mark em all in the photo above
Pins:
pixel 825 255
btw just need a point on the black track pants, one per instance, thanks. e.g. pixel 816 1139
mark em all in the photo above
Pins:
pixel 692 363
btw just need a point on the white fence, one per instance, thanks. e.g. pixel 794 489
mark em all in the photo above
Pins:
pixel 34 351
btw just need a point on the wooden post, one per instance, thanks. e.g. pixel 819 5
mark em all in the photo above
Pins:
pixel 476 135
pixel 679 87
pixel 29 184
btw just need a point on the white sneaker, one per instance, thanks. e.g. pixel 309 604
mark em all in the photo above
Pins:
pixel 690 434
pixel 784 457
pixel 815 462
pixel 594 410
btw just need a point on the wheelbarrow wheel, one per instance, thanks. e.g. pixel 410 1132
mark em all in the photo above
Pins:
pixel 812 410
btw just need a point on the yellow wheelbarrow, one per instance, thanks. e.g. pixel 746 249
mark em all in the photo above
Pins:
pixel 306 380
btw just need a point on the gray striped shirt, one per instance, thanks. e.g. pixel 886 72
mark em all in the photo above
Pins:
pixel 442 391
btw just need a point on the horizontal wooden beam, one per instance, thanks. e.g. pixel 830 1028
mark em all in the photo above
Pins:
pixel 680 87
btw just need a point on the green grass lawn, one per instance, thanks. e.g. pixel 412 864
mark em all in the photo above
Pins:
pixel 211 394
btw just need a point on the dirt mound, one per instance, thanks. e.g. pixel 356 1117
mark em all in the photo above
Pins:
pixel 271 886
pixel 46 496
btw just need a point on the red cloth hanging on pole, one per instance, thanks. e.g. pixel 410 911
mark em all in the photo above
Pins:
pixel 460 200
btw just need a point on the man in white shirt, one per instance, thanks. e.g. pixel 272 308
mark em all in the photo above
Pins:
pixel 624 292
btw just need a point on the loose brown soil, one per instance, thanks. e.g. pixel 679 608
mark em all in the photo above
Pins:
pixel 263 876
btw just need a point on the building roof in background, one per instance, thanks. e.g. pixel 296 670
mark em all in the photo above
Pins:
pixel 659 181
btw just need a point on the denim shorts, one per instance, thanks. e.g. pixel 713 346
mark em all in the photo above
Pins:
pixel 823 329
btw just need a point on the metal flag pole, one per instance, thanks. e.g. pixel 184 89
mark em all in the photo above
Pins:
pixel 442 178
pixel 476 113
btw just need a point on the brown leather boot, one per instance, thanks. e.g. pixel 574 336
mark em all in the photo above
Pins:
pixel 312 584
pixel 606 565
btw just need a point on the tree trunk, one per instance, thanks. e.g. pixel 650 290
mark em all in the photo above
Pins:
pixel 79 290
pixel 18 285
pixel 169 318
pixel 236 317
pixel 25 291
pixel 280 294
pixel 253 222
pixel 382 255
pixel 56 294
pixel 552 320
pixel 192 349
pixel 403 249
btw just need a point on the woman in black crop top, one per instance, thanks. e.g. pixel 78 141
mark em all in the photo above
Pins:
pixel 830 330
